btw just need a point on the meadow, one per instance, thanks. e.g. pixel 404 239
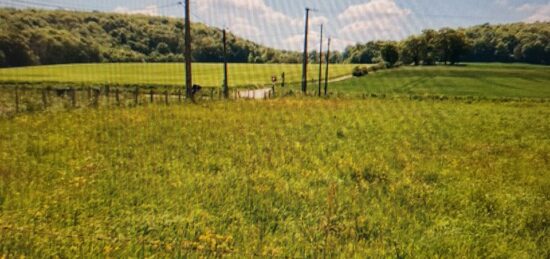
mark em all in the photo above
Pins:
pixel 290 177
pixel 161 74
pixel 477 80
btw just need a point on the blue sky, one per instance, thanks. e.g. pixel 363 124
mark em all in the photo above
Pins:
pixel 280 23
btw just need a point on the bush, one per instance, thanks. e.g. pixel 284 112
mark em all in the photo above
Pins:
pixel 2 58
pixel 360 71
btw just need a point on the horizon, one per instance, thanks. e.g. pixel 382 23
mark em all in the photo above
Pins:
pixel 347 22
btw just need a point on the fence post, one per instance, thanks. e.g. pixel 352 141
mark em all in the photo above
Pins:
pixel 89 94
pixel 45 98
pixel 152 94
pixel 17 99
pixel 136 96
pixel 166 97
pixel 97 93
pixel 117 96
pixel 211 94
pixel 73 97
pixel 179 95
pixel 107 93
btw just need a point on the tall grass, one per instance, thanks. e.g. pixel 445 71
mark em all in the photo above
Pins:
pixel 290 177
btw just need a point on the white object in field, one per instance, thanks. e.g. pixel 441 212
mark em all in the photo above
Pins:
pixel 257 94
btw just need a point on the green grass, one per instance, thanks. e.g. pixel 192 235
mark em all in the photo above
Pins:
pixel 161 74
pixel 486 80
pixel 289 178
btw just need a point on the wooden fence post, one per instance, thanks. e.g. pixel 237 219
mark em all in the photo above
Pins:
pixel 97 94
pixel 152 96
pixel 136 96
pixel 107 93
pixel 179 95
pixel 45 98
pixel 117 96
pixel 73 97
pixel 89 90
pixel 166 97
pixel 16 99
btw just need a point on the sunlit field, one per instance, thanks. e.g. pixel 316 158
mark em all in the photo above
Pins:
pixel 162 74
pixel 294 177
pixel 478 80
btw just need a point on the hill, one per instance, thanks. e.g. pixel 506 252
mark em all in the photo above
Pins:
pixel 41 37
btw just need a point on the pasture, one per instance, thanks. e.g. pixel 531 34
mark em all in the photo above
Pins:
pixel 292 177
pixel 161 74
pixel 477 80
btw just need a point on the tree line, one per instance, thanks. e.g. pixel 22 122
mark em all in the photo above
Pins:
pixel 42 37
pixel 518 42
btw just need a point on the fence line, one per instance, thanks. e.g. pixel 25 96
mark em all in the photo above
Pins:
pixel 74 97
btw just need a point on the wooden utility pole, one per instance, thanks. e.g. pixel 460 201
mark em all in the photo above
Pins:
pixel 320 62
pixel 328 63
pixel 304 65
pixel 225 83
pixel 187 54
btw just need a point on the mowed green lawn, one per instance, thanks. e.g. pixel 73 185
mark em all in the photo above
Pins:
pixel 164 74
pixel 487 80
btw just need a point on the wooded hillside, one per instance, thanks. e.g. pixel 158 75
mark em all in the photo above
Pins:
pixel 39 37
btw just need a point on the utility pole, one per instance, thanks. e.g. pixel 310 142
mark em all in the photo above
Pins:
pixel 304 65
pixel 225 83
pixel 320 62
pixel 328 63
pixel 187 54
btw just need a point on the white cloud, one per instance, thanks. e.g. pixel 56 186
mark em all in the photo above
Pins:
pixel 375 20
pixel 536 13
pixel 151 10
pixel 527 8
pixel 373 9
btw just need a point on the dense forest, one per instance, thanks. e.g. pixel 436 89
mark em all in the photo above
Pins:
pixel 518 42
pixel 40 37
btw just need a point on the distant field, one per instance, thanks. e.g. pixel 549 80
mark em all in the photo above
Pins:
pixel 487 80
pixel 163 74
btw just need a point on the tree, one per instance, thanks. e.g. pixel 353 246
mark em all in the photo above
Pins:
pixel 450 45
pixel 390 54
pixel 163 48
pixel 2 59
pixel 534 52
pixel 428 56
pixel 16 51
pixel 502 53
pixel 413 50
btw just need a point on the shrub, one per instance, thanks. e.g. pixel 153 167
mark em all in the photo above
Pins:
pixel 360 71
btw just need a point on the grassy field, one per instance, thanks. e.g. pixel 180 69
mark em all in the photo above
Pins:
pixel 487 80
pixel 288 177
pixel 163 74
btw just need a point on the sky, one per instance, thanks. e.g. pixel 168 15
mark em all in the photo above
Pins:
pixel 280 23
